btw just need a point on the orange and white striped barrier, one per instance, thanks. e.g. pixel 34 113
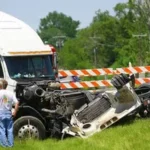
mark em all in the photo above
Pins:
pixel 133 70
pixel 104 71
pixel 100 83
pixel 139 81
pixel 86 84
pixel 86 72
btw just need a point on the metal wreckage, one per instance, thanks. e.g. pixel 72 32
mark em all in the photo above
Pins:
pixel 47 111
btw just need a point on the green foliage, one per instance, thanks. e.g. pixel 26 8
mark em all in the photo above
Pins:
pixel 57 24
pixel 105 29
pixel 109 41
pixel 131 31
pixel 73 55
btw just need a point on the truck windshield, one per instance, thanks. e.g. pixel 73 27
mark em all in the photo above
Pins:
pixel 30 67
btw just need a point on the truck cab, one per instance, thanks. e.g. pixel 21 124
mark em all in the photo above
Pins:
pixel 23 55
pixel 24 60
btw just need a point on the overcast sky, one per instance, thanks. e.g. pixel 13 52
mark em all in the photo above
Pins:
pixel 30 11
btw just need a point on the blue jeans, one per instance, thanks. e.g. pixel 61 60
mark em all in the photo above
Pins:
pixel 6 132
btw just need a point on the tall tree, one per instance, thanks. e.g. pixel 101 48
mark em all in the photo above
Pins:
pixel 56 26
pixel 109 41
pixel 104 30
pixel 93 46
pixel 131 34
pixel 74 54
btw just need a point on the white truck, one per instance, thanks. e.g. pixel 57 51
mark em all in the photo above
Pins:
pixel 24 59
pixel 23 55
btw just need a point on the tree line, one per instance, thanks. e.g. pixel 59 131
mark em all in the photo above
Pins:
pixel 109 41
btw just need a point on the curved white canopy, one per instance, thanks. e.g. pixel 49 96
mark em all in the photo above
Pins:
pixel 16 36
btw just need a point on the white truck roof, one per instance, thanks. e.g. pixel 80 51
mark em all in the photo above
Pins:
pixel 17 38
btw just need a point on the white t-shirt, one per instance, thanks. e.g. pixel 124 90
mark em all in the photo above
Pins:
pixel 7 100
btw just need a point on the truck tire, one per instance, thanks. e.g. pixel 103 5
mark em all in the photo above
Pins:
pixel 29 127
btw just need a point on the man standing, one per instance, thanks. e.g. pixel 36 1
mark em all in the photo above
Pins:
pixel 7 100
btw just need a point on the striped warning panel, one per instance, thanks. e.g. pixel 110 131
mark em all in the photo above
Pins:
pixel 130 70
pixel 139 81
pixel 86 84
pixel 104 71
pixel 86 72
pixel 100 83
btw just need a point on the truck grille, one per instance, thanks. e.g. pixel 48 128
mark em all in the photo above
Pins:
pixel 93 109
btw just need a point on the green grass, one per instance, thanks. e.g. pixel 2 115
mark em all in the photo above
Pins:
pixel 130 136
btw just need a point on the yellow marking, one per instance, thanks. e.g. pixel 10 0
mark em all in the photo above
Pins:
pixel 30 52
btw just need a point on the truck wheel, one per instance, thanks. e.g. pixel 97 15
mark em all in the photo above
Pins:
pixel 29 127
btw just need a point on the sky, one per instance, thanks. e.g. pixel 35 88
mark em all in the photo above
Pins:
pixel 31 11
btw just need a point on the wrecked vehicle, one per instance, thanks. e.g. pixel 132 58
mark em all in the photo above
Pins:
pixel 30 68
pixel 47 111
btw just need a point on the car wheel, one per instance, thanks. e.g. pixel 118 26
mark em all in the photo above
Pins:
pixel 29 127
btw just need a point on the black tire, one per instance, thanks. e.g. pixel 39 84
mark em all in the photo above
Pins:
pixel 29 124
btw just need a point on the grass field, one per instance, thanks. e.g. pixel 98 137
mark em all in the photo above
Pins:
pixel 133 135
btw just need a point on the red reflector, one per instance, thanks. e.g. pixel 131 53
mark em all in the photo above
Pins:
pixel 52 48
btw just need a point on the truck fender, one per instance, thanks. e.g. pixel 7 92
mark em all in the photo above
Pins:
pixel 26 110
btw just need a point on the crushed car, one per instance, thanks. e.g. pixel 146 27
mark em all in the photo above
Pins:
pixel 47 111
